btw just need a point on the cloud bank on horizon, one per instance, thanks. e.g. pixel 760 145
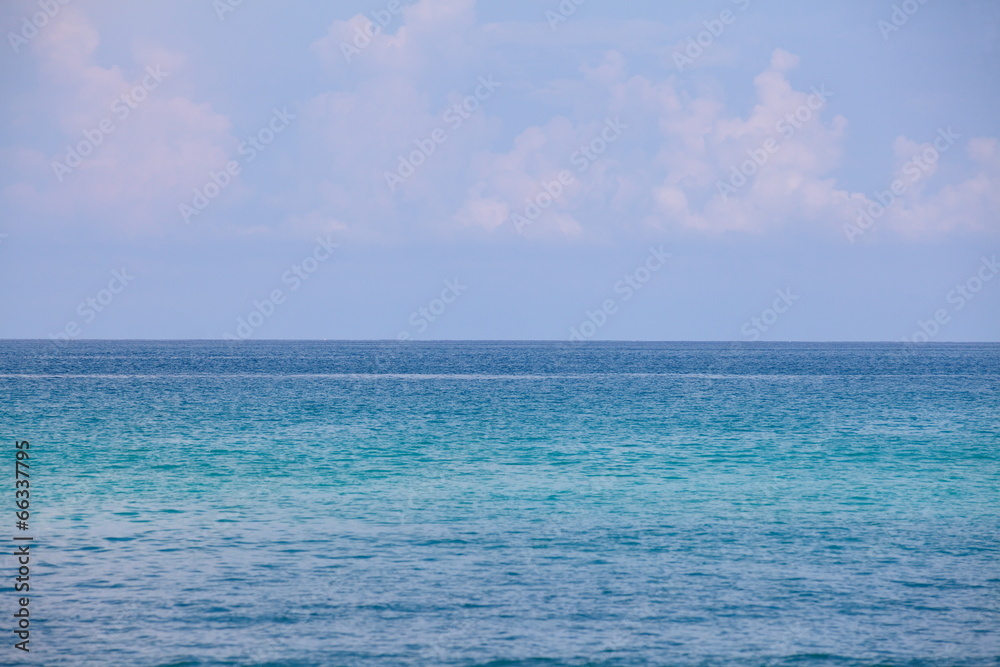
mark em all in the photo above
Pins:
pixel 408 140
pixel 473 123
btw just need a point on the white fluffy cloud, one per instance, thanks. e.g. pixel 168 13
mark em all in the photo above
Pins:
pixel 129 149
pixel 911 207
pixel 709 170
pixel 674 164
pixel 409 40
pixel 610 148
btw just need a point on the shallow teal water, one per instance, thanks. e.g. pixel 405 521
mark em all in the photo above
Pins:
pixel 510 504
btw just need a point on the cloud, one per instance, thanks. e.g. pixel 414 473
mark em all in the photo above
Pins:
pixel 669 168
pixel 686 159
pixel 405 39
pixel 690 164
pixel 969 205
pixel 386 109
pixel 130 148
pixel 528 176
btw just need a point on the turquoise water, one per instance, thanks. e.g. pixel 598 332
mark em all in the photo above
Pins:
pixel 206 503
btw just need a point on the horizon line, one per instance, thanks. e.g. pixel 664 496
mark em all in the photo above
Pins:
pixel 491 340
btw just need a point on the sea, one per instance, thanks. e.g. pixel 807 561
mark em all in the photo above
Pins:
pixel 503 504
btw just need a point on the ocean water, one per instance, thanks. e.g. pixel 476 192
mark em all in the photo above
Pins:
pixel 506 504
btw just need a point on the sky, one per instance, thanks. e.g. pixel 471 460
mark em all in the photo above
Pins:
pixel 525 169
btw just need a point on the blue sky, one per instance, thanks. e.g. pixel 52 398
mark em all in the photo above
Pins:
pixel 731 170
